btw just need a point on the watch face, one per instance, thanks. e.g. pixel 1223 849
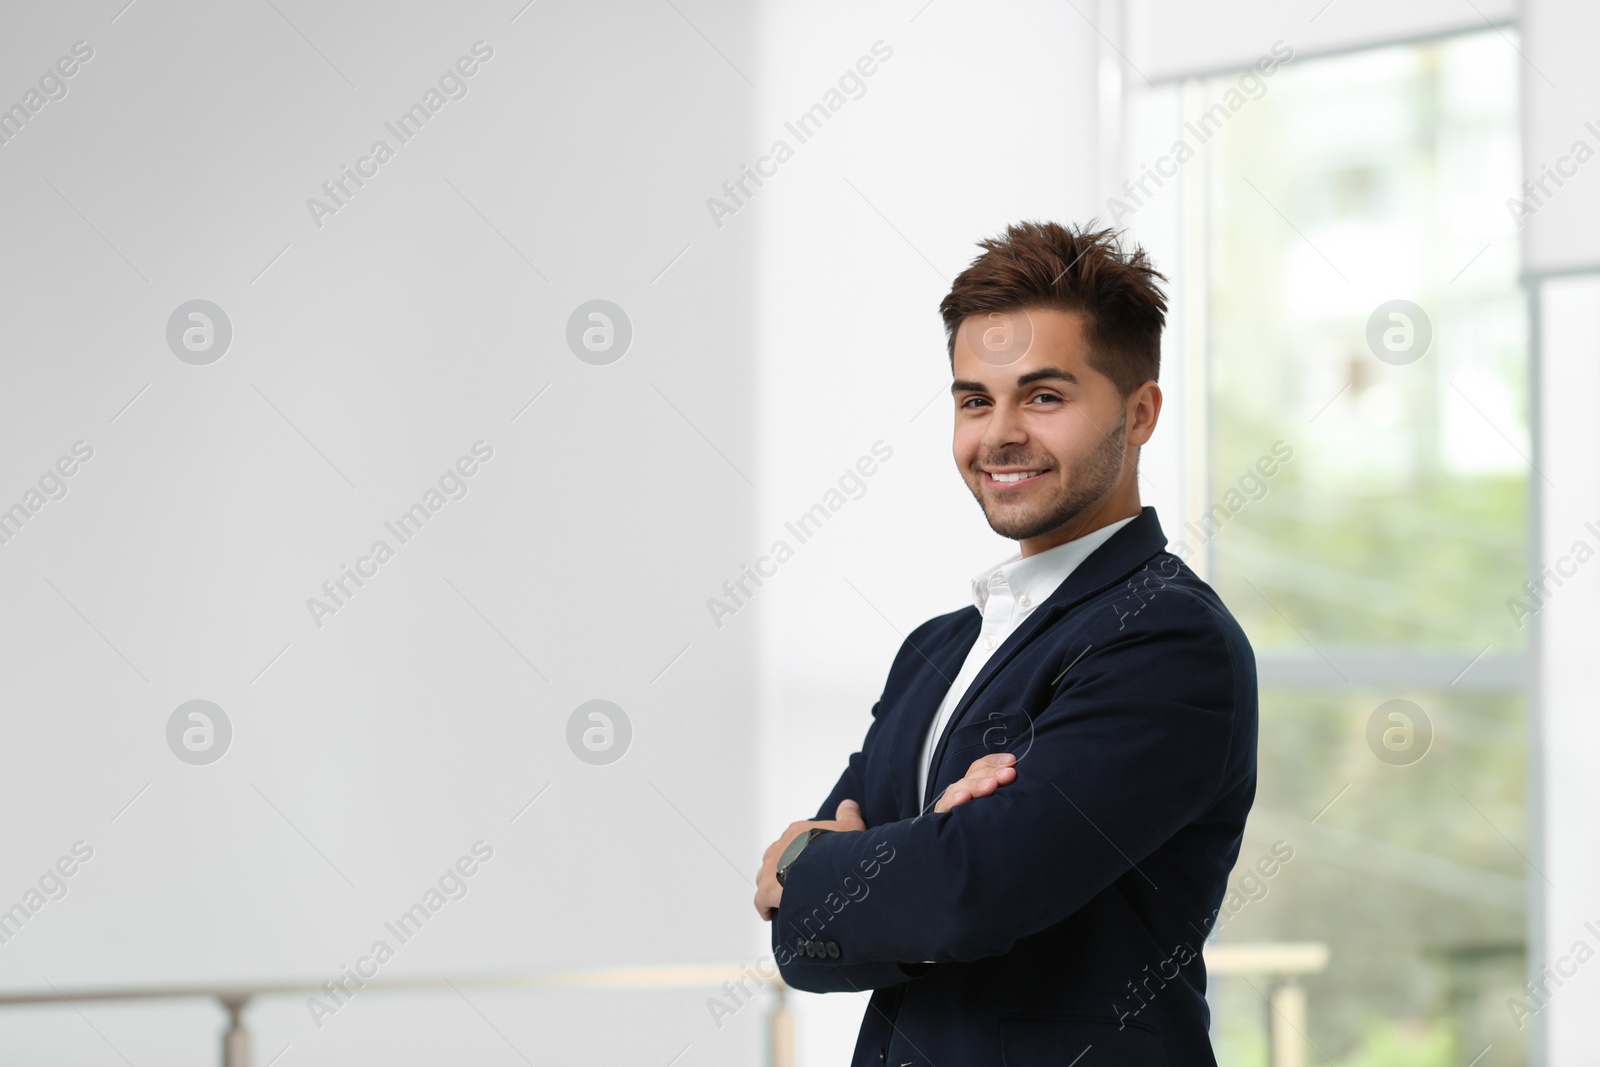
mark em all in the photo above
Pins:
pixel 794 849
pixel 788 855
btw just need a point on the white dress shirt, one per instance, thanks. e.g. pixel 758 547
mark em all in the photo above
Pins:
pixel 1006 594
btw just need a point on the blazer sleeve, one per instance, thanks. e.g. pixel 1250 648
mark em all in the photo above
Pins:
pixel 787 938
pixel 1133 745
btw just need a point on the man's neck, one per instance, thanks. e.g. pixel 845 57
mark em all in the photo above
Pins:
pixel 1077 527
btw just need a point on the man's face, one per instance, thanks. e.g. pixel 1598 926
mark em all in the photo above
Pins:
pixel 1041 438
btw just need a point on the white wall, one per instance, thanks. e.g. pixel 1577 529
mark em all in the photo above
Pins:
pixel 374 352
pixel 1561 137
pixel 1569 441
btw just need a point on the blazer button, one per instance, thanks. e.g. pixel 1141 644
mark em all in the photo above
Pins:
pixel 800 945
pixel 833 950
pixel 811 949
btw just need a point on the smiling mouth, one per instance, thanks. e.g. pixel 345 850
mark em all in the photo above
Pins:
pixel 1011 479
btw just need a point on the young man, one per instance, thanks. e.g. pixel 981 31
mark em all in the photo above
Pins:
pixel 1024 859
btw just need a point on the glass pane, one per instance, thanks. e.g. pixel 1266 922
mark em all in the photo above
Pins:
pixel 1401 514
pixel 1370 472
pixel 1414 874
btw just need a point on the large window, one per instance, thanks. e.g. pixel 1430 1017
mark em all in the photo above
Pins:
pixel 1367 332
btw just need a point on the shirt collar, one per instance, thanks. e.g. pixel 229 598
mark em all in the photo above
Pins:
pixel 1039 575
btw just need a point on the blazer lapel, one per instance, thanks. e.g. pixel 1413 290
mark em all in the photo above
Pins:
pixel 940 666
pixel 1126 550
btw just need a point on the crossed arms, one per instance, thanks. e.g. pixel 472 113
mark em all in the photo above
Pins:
pixel 1133 745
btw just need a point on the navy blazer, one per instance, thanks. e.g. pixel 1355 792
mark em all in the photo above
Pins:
pixel 1060 920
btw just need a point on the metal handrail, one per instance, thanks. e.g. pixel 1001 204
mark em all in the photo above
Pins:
pixel 235 997
pixel 662 977
pixel 1282 962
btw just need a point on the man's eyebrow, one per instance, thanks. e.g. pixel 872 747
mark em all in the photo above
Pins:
pixel 1048 374
pixel 1043 374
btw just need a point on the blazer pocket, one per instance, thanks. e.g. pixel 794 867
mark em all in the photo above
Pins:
pixel 1078 1041
pixel 996 732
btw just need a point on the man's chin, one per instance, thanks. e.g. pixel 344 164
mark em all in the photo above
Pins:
pixel 1018 521
pixel 1013 526
pixel 1020 524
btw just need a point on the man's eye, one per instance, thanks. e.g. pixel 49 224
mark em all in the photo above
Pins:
pixel 968 401
pixel 1048 396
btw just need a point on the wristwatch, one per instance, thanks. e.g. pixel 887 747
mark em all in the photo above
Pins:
pixel 797 846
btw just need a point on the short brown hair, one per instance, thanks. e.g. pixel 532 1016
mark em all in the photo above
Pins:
pixel 1074 269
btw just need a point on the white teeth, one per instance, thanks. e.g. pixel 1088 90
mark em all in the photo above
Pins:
pixel 1019 476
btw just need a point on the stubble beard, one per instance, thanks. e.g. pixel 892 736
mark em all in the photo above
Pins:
pixel 1086 487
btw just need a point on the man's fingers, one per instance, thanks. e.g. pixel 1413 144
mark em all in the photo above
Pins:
pixel 984 777
pixel 979 787
pixel 849 815
pixel 982 782
pixel 989 764
pixel 957 794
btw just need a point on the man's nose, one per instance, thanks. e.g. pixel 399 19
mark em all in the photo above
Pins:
pixel 1005 427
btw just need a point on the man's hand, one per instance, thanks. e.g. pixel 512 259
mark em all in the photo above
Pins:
pixel 768 892
pixel 984 777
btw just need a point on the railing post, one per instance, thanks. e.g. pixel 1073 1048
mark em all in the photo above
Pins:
pixel 780 1030
pixel 1287 1026
pixel 236 1041
pixel 1282 963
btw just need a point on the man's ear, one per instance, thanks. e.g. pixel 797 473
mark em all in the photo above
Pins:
pixel 1145 405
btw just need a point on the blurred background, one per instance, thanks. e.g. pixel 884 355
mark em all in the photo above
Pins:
pixel 574 310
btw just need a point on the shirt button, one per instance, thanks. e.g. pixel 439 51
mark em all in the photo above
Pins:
pixel 990 642
pixel 1024 601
